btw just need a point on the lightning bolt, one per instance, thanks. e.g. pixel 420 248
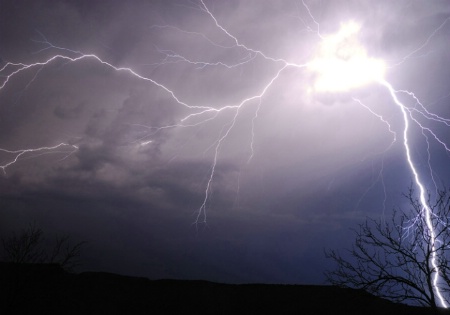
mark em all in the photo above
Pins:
pixel 340 65
pixel 17 154
pixel 427 211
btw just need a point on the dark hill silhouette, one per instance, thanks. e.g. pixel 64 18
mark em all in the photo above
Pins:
pixel 48 289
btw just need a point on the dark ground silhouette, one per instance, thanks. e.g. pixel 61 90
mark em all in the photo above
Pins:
pixel 48 289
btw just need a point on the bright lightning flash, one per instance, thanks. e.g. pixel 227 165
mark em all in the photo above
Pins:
pixel 341 63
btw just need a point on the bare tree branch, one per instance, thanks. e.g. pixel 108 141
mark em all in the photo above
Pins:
pixel 29 247
pixel 393 259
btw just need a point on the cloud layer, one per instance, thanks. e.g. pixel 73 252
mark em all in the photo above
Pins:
pixel 319 161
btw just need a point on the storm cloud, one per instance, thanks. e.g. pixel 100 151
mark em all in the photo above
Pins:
pixel 297 169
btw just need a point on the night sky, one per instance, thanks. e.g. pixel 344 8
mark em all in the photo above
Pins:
pixel 295 169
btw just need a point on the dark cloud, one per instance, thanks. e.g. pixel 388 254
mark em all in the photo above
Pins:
pixel 66 111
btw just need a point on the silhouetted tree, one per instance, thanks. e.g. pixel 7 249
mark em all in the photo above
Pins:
pixel 25 247
pixel 29 258
pixel 29 247
pixel 400 259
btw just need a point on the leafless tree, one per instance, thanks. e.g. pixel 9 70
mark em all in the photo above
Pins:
pixel 400 259
pixel 25 247
pixel 29 247
pixel 24 252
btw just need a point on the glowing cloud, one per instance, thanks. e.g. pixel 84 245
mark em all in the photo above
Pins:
pixel 342 64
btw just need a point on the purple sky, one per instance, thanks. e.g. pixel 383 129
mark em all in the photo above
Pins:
pixel 321 162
